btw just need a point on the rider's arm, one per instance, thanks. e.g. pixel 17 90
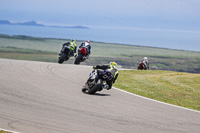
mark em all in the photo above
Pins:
pixel 67 43
pixel 75 49
pixel 89 47
pixel 147 65
pixel 81 45
pixel 115 78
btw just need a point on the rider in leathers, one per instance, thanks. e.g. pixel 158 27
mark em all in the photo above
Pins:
pixel 146 63
pixel 72 46
pixel 112 68
pixel 87 46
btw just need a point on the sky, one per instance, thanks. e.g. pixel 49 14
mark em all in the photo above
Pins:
pixel 158 14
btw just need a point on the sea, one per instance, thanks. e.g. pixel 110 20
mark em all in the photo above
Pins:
pixel 162 38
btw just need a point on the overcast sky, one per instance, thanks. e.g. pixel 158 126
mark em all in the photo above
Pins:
pixel 125 13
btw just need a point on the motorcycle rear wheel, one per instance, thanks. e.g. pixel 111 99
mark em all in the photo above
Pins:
pixel 78 59
pixel 61 59
pixel 95 88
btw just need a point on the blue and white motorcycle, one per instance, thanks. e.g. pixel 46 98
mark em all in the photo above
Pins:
pixel 97 81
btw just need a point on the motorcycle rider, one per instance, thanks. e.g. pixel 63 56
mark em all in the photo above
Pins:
pixel 146 62
pixel 72 46
pixel 87 46
pixel 112 68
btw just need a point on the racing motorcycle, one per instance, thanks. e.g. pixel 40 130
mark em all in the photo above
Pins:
pixel 65 55
pixel 97 80
pixel 142 66
pixel 82 55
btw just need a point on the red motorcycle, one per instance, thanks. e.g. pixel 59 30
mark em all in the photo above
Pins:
pixel 142 66
pixel 82 55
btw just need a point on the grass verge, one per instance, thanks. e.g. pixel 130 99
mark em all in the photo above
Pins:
pixel 182 89
pixel 127 56
pixel 27 54
pixel 3 131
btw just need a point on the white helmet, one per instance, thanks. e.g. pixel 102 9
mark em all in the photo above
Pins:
pixel 145 58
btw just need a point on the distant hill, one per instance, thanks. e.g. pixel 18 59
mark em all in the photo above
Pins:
pixel 31 23
pixel 34 23
pixel 4 22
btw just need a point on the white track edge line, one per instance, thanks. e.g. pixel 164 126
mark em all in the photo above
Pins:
pixel 8 130
pixel 156 100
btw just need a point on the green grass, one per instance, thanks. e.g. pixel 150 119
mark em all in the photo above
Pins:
pixel 127 56
pixel 1 131
pixel 98 48
pixel 27 54
pixel 182 89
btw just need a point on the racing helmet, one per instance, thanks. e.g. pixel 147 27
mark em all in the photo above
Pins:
pixel 114 64
pixel 73 40
pixel 88 41
pixel 145 58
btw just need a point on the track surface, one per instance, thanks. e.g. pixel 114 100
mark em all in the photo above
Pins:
pixel 47 98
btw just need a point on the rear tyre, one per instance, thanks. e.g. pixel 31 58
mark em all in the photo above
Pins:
pixel 78 59
pixel 61 59
pixel 95 88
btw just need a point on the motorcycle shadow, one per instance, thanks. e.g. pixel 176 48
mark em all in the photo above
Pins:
pixel 96 94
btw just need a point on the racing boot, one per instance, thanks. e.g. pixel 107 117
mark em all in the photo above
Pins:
pixel 105 86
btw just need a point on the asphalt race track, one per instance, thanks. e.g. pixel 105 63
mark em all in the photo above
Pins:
pixel 38 97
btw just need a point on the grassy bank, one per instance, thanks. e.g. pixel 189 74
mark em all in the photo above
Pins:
pixel 128 56
pixel 182 89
